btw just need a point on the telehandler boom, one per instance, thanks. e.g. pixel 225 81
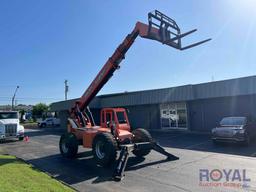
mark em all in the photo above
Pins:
pixel 114 132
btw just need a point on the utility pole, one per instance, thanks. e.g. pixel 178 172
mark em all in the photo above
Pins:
pixel 66 89
pixel 14 96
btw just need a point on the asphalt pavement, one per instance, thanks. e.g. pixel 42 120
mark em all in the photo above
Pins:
pixel 154 173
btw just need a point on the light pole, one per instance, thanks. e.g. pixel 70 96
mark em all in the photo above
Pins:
pixel 14 96
pixel 66 89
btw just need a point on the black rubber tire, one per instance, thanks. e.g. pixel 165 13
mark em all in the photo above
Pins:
pixel 21 138
pixel 215 142
pixel 141 135
pixel 106 145
pixel 247 141
pixel 68 145
pixel 43 125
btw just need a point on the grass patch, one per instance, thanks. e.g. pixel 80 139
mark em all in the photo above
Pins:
pixel 16 175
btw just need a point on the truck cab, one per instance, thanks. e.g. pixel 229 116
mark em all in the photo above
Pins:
pixel 10 125
pixel 115 117
pixel 116 120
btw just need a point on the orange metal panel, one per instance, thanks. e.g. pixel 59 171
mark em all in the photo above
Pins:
pixel 88 137
pixel 123 134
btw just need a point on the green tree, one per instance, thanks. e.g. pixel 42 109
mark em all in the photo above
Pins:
pixel 39 110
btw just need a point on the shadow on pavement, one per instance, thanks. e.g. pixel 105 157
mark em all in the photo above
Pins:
pixel 83 168
pixel 72 171
pixel 43 131
pixel 134 163
pixel 5 160
pixel 202 142
pixel 12 140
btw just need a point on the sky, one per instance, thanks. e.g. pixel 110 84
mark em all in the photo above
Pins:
pixel 44 42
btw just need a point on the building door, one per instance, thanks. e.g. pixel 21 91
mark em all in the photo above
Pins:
pixel 173 115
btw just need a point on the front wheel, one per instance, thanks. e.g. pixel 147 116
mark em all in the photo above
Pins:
pixel 104 149
pixel 141 135
pixel 68 145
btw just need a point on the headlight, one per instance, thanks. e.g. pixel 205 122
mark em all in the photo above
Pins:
pixel 213 130
pixel 241 131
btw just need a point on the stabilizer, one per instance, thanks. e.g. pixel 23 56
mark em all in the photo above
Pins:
pixel 127 149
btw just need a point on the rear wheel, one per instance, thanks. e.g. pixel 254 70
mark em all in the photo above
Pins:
pixel 104 149
pixel 247 140
pixel 215 142
pixel 68 145
pixel 141 135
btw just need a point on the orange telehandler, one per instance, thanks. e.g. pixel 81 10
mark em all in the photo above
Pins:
pixel 114 132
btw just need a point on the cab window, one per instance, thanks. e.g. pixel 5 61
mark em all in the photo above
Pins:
pixel 121 117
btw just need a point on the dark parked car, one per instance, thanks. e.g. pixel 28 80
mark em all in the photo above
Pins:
pixel 235 129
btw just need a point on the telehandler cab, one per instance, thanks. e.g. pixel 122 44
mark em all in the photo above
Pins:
pixel 115 132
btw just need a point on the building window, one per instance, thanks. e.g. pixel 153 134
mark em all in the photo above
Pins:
pixel 173 115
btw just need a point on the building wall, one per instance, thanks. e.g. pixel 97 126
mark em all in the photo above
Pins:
pixel 144 116
pixel 202 115
pixel 205 114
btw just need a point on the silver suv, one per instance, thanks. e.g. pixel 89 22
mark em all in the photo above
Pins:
pixel 234 129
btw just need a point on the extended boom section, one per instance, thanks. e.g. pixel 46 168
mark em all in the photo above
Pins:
pixel 160 28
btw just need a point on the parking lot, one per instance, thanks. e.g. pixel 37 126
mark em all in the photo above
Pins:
pixel 153 173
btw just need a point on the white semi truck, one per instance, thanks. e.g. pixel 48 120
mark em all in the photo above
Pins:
pixel 10 125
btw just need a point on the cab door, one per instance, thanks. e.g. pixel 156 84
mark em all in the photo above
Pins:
pixel 107 117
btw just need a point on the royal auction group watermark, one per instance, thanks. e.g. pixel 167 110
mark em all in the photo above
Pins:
pixel 232 178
